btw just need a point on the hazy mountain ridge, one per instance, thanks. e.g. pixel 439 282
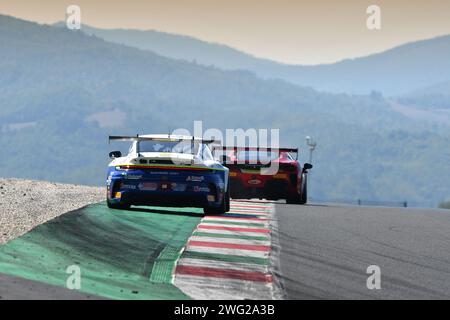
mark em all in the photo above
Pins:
pixel 396 71
pixel 60 80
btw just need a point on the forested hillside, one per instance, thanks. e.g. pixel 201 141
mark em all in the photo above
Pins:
pixel 432 97
pixel 397 71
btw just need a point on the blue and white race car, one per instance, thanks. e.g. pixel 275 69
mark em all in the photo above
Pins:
pixel 167 170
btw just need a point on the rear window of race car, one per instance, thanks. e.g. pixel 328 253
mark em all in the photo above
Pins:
pixel 187 147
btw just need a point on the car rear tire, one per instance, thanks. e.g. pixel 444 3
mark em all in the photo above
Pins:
pixel 118 206
pixel 227 200
pixel 302 197
pixel 223 208
pixel 304 194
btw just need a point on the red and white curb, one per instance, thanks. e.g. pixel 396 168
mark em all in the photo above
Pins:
pixel 229 256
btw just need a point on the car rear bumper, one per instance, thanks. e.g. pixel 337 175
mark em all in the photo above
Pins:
pixel 158 187
pixel 272 189
pixel 158 199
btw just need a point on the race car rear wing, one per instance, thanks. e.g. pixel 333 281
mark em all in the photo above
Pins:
pixel 267 149
pixel 168 138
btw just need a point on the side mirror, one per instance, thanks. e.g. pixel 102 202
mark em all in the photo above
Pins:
pixel 307 166
pixel 115 154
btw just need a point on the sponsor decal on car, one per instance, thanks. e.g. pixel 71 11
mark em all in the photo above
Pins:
pixel 172 173
pixel 195 178
pixel 133 176
pixel 200 189
pixel 128 186
pixel 254 181
pixel 148 186
pixel 165 186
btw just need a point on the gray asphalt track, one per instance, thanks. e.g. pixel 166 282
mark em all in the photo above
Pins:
pixel 14 288
pixel 326 249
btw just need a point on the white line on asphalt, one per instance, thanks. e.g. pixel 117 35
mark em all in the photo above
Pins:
pixel 231 240
pixel 224 265
pixel 243 253
pixel 235 233
pixel 218 224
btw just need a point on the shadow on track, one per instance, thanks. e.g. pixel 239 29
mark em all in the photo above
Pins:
pixel 170 211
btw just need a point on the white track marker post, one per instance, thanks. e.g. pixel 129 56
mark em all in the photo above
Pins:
pixel 312 146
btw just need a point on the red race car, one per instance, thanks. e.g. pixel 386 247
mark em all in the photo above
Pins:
pixel 269 173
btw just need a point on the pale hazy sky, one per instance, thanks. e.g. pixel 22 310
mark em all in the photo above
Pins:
pixel 291 31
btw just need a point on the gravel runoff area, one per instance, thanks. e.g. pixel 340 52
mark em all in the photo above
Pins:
pixel 25 204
